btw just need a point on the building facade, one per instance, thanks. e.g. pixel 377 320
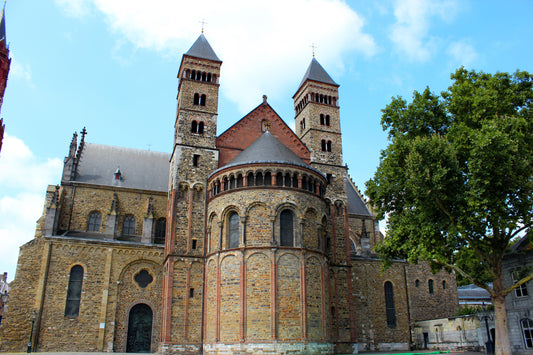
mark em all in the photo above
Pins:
pixel 255 240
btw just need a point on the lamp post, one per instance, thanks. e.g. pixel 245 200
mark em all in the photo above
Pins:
pixel 485 314
pixel 33 317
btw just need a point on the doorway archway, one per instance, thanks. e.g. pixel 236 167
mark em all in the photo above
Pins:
pixel 139 329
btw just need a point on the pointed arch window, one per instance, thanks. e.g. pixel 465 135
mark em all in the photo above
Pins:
pixel 160 229
pixel 94 222
pixel 389 305
pixel 72 306
pixel 129 225
pixel 286 228
pixel 233 230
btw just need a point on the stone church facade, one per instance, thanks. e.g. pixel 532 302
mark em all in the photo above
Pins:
pixel 255 240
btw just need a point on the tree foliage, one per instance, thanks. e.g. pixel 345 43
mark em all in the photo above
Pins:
pixel 456 181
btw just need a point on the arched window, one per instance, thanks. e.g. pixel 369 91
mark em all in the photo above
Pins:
pixel 327 120
pixel 209 77
pixel 268 179
pixel 129 225
pixel 194 127
pixel 94 222
pixel 430 287
pixel 322 122
pixel 202 100
pixel 72 307
pixel 259 181
pixel 196 99
pixel 443 284
pixel 527 330
pixel 279 179
pixel 286 229
pixel 239 180
pixel 204 76
pixel 233 230
pixel 328 146
pixel 389 305
pixel 201 128
pixel 417 283
pixel 250 179
pixel 160 228
pixel 323 145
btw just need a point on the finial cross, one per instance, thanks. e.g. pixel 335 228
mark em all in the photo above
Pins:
pixel 83 133
pixel 203 24
pixel 314 47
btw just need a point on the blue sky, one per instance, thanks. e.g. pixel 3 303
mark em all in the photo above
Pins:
pixel 111 66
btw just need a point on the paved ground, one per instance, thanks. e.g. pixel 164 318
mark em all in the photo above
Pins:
pixel 363 353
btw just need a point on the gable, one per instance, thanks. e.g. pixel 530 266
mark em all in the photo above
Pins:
pixel 249 128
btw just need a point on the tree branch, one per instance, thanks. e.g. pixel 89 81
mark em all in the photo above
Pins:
pixel 525 226
pixel 466 276
pixel 518 284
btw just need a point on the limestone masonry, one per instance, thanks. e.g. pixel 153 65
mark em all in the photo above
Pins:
pixel 253 241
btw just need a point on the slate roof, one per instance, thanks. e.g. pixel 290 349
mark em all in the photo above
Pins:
pixel 266 149
pixel 202 49
pixel 355 204
pixel 140 169
pixel 470 292
pixel 316 72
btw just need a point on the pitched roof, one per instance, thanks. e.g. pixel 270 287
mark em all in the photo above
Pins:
pixel 356 205
pixel 3 25
pixel 316 72
pixel 140 169
pixel 202 49
pixel 267 149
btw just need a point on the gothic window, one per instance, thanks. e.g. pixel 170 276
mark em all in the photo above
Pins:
pixel 233 230
pixel 202 100
pixel 527 330
pixel 389 305
pixel 521 290
pixel 196 99
pixel 72 307
pixel 286 229
pixel 129 225
pixel 160 228
pixel 94 222
pixel 430 287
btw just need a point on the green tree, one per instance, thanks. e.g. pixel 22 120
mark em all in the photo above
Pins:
pixel 456 181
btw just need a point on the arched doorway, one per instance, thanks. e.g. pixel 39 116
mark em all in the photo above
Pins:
pixel 139 329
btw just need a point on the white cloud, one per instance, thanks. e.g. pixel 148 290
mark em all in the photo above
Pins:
pixel 256 40
pixel 462 53
pixel 23 178
pixel 411 32
pixel 75 8
pixel 19 70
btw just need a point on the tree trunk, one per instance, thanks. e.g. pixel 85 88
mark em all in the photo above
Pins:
pixel 502 344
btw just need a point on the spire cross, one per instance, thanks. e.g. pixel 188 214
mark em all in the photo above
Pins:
pixel 203 24
pixel 314 47
pixel 83 133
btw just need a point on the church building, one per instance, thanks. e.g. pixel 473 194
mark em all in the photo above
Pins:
pixel 252 241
